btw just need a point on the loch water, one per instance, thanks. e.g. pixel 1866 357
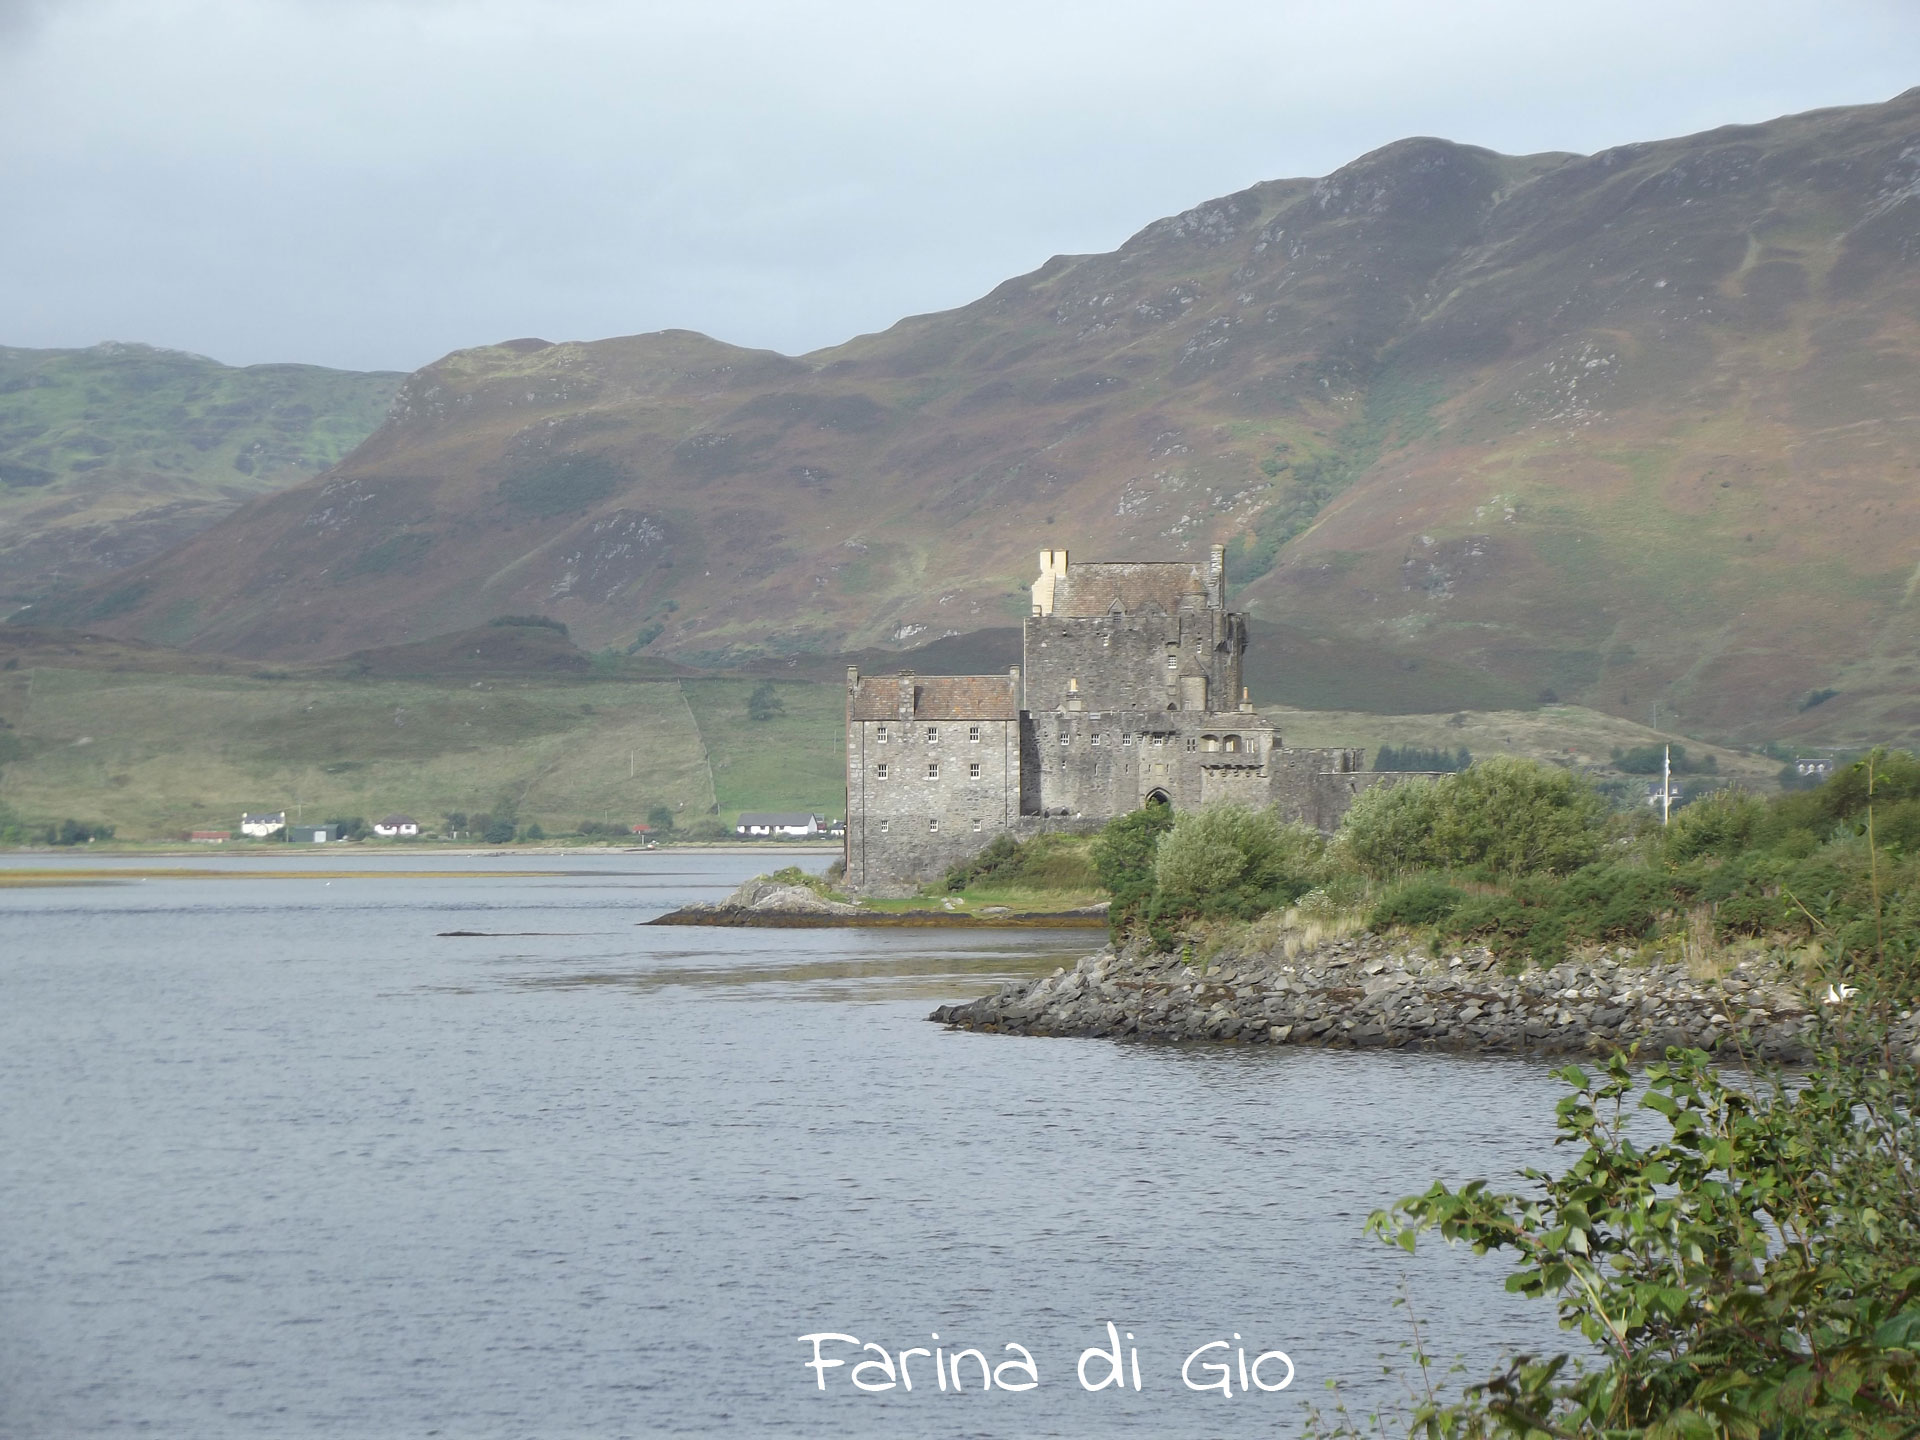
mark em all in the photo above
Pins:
pixel 279 1156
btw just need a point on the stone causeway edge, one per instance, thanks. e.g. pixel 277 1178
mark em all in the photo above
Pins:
pixel 1368 992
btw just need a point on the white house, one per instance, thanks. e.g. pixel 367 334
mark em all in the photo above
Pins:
pixel 262 825
pixel 784 824
pixel 396 825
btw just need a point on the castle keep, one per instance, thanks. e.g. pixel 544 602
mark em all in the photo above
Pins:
pixel 1129 691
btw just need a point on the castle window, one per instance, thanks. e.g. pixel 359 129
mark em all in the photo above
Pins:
pixel 879 734
pixel 1126 737
pixel 1233 743
pixel 933 825
pixel 933 734
pixel 880 771
pixel 973 771
pixel 1192 744
pixel 883 827
pixel 1094 738
pixel 1066 736
pixel 973 734
pixel 933 770
pixel 976 826
pixel 1173 662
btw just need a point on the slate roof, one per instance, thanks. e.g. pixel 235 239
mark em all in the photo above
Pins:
pixel 1089 589
pixel 937 697
pixel 399 820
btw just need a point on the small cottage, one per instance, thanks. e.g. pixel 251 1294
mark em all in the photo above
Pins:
pixel 263 825
pixel 396 825
pixel 780 824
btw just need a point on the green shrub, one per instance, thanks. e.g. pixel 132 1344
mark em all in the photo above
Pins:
pixel 1046 862
pixel 78 832
pixel 764 703
pixel 1123 855
pixel 1724 823
pixel 1505 816
pixel 1414 905
pixel 1228 860
pixel 538 622
pixel 1412 757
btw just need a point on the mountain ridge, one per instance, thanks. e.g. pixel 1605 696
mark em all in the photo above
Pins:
pixel 1630 428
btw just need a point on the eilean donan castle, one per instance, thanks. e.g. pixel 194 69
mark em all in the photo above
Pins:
pixel 1129 691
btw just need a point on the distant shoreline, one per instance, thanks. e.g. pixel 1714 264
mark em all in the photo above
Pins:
pixel 272 850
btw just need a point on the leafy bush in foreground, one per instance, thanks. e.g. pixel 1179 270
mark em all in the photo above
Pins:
pixel 1753 1275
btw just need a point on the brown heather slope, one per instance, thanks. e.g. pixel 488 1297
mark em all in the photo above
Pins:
pixel 1638 429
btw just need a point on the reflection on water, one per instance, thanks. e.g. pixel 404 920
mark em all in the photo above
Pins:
pixel 285 1158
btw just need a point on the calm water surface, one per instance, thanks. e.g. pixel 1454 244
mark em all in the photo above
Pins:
pixel 280 1158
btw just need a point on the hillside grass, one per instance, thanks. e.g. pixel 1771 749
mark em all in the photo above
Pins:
pixel 159 754
pixel 795 761
pixel 1570 735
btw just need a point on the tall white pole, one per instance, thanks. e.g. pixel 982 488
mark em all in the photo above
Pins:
pixel 1666 787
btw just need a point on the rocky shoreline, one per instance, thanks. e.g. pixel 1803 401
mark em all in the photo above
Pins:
pixel 1368 991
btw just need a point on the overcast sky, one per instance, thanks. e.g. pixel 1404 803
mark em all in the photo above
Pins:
pixel 371 183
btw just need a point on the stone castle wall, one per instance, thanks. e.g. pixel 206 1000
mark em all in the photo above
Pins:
pixel 1130 691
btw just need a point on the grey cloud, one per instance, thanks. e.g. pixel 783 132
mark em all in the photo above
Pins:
pixel 365 182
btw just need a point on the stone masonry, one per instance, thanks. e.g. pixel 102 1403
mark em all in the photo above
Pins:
pixel 1130 691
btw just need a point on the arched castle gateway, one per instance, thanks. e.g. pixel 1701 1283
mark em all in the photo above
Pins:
pixel 1129 689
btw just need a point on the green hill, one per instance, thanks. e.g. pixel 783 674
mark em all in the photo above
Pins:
pixel 110 455
pixel 1631 430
